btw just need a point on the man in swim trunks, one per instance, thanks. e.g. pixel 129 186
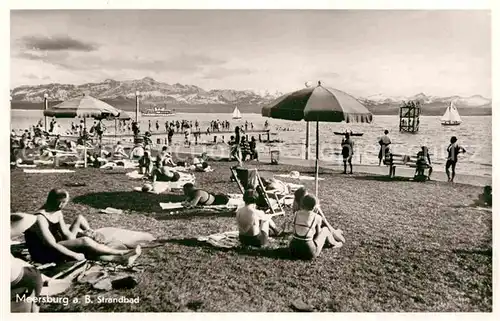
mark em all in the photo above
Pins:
pixel 453 150
pixel 384 143
pixel 347 152
pixel 199 197
pixel 254 225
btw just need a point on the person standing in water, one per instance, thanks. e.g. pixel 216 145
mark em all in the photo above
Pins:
pixel 384 143
pixel 453 150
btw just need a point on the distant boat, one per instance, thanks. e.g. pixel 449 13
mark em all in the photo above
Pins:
pixel 451 117
pixel 236 113
pixel 157 112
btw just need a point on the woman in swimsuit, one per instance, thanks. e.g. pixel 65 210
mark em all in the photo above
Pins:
pixel 49 239
pixel 309 236
pixel 199 197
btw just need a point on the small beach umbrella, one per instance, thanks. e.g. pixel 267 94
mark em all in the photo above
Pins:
pixel 82 106
pixel 319 104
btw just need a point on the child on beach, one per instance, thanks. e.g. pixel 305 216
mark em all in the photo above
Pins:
pixel 49 239
pixel 309 236
pixel 145 164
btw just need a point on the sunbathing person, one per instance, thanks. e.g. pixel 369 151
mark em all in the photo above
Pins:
pixel 297 205
pixel 309 236
pixel 25 280
pixel 49 239
pixel 137 152
pixel 166 158
pixel 164 174
pixel 119 151
pixel 423 162
pixel 254 225
pixel 199 197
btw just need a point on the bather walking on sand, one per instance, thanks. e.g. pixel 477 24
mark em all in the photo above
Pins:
pixel 49 239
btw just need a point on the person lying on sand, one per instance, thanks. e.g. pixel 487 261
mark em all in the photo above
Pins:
pixel 199 197
pixel 119 151
pixel 200 165
pixel 163 173
pixel 49 239
pixel 254 225
pixel 309 236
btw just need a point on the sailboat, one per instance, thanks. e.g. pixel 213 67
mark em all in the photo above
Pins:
pixel 451 116
pixel 236 113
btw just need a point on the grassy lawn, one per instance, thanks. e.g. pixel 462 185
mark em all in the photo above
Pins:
pixel 410 247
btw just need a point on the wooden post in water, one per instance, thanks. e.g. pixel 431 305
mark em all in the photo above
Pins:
pixel 307 140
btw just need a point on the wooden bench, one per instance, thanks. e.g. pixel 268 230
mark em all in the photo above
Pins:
pixel 406 160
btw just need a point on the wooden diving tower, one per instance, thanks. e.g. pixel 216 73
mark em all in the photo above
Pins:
pixel 409 117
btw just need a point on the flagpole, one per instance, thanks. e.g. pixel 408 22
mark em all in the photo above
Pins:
pixel 317 158
pixel 137 107
pixel 45 107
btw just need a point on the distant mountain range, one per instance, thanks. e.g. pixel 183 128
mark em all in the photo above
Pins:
pixel 190 98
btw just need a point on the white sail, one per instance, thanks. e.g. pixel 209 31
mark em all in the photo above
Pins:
pixel 451 115
pixel 236 113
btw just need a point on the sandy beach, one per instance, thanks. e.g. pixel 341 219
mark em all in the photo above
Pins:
pixel 410 246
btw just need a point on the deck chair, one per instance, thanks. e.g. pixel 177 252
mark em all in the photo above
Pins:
pixel 250 179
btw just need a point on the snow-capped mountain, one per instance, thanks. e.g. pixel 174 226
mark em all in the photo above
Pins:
pixel 381 99
pixel 150 91
pixel 153 91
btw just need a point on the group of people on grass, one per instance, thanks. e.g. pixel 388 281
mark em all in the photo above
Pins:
pixel 311 231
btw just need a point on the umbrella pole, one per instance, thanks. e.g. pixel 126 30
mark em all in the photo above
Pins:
pixel 317 158
pixel 307 140
pixel 84 142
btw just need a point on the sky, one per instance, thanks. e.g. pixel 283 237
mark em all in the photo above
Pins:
pixel 362 52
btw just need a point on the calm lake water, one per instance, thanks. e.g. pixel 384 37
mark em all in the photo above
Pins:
pixel 474 134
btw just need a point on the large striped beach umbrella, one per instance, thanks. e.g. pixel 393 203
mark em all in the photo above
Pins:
pixel 84 106
pixel 319 104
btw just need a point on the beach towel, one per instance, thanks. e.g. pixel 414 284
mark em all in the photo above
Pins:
pixel 135 175
pixel 301 177
pixel 222 240
pixel 46 171
pixel 43 162
pixel 111 210
pixel 230 240
pixel 125 164
pixel 26 165
pixel 120 238
pixel 233 203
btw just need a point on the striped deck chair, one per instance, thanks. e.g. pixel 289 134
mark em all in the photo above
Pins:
pixel 250 179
